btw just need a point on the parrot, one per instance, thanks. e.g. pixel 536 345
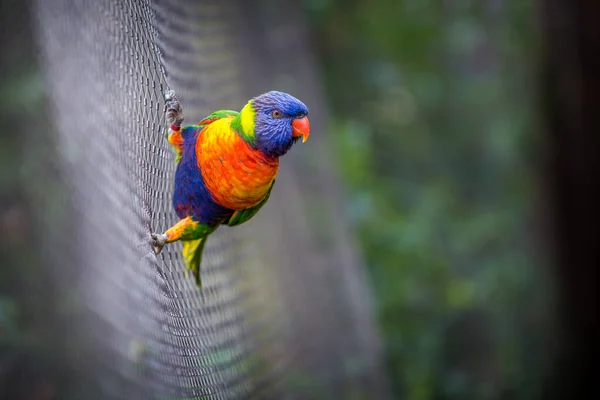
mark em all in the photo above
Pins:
pixel 226 166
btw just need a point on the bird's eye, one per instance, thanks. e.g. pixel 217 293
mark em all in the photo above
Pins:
pixel 276 113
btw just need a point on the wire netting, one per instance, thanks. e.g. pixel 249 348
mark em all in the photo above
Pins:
pixel 285 311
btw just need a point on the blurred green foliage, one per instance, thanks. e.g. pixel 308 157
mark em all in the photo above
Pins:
pixel 433 107
pixel 28 194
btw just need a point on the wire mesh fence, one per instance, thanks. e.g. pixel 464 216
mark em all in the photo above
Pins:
pixel 285 311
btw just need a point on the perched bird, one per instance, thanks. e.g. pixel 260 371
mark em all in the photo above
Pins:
pixel 226 166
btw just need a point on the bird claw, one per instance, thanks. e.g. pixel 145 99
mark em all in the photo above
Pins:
pixel 169 95
pixel 174 112
pixel 158 241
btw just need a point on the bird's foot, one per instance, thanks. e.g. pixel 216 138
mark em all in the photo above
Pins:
pixel 174 112
pixel 158 241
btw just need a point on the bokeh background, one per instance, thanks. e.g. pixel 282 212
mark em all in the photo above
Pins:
pixel 434 113
pixel 434 121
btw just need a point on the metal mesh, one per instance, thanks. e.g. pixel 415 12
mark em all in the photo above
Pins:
pixel 285 311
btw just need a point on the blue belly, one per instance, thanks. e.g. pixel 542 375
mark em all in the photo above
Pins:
pixel 191 197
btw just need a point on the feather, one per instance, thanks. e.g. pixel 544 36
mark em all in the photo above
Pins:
pixel 192 257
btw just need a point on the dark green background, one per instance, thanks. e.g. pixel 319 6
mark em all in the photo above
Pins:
pixel 434 123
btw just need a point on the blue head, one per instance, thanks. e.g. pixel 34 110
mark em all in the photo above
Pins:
pixel 278 121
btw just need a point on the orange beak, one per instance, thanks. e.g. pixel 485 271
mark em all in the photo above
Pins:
pixel 301 127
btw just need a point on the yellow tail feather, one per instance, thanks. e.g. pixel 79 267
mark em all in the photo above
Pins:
pixel 192 256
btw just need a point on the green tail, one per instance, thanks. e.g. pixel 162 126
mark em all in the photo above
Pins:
pixel 192 257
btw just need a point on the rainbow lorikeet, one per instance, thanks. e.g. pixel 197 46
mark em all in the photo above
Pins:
pixel 226 166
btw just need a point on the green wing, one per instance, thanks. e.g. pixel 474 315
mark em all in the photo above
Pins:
pixel 241 216
pixel 218 115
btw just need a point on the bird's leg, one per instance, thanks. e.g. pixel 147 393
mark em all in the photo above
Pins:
pixel 174 112
pixel 185 229
pixel 158 241
pixel 174 117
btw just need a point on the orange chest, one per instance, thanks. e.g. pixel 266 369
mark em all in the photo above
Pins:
pixel 236 175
